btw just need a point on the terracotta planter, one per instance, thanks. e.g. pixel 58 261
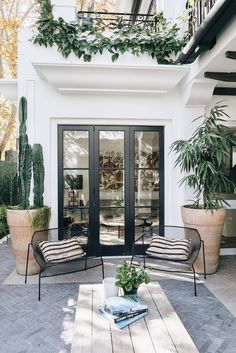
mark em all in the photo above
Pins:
pixel 210 226
pixel 20 226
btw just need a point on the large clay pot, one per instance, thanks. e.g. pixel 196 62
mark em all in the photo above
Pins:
pixel 210 225
pixel 20 226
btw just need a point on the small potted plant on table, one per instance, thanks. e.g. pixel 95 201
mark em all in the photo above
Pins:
pixel 130 276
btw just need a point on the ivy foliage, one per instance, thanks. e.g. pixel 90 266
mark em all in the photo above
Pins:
pixel 87 37
pixel 41 218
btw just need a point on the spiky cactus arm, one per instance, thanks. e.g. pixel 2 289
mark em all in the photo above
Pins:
pixel 25 176
pixel 38 174
pixel 24 165
pixel 23 138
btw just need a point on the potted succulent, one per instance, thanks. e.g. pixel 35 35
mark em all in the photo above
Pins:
pixel 203 158
pixel 24 219
pixel 130 276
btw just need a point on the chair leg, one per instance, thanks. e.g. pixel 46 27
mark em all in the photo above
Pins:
pixel 39 294
pixel 27 263
pixel 85 263
pixel 204 258
pixel 144 261
pixel 194 281
pixel 102 268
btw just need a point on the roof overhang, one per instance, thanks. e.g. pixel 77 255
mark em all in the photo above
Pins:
pixel 92 78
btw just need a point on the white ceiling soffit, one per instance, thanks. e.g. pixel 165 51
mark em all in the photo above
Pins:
pixel 8 88
pixel 88 78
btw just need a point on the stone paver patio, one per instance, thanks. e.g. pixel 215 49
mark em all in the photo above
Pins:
pixel 29 326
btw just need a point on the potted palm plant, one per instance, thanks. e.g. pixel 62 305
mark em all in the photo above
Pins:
pixel 130 276
pixel 203 158
pixel 24 219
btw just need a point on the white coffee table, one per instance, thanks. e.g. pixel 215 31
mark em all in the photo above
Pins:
pixel 160 331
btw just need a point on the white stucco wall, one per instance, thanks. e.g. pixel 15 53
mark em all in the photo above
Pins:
pixel 47 108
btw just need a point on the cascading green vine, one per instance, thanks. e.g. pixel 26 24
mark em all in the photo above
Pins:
pixel 85 38
pixel 41 218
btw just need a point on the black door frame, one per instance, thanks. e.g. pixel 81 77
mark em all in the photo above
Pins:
pixel 93 169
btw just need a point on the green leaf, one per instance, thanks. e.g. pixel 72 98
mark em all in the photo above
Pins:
pixel 160 39
pixel 203 158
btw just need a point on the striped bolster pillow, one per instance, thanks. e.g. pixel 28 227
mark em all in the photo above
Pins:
pixel 168 249
pixel 61 251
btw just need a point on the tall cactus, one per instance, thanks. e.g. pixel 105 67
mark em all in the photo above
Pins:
pixel 28 156
pixel 25 161
pixel 38 174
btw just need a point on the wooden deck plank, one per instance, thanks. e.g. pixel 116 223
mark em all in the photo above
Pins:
pixel 156 327
pixel 101 343
pixel 81 341
pixel 176 329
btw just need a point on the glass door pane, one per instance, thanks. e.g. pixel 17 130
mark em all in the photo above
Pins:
pixel 76 180
pixel 111 187
pixel 146 175
pixel 110 182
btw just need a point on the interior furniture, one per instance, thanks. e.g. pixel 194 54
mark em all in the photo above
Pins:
pixel 160 330
pixel 165 259
pixel 79 226
pixel 119 222
pixel 91 254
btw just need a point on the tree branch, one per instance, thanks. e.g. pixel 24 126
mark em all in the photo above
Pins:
pixel 9 128
pixel 30 8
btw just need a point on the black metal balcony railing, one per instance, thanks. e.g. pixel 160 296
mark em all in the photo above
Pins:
pixel 198 12
pixel 114 20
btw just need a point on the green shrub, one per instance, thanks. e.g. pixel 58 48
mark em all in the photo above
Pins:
pixel 8 183
pixel 3 222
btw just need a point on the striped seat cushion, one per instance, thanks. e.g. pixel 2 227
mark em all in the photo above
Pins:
pixel 168 249
pixel 61 251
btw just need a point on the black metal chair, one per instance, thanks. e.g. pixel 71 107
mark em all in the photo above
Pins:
pixel 141 244
pixel 91 258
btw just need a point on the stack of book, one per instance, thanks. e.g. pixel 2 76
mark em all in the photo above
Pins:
pixel 124 310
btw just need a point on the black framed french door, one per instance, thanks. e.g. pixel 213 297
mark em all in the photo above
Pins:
pixel 111 182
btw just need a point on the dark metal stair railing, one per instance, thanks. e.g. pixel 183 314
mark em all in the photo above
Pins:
pixel 198 12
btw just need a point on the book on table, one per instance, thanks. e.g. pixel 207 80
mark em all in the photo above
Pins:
pixel 124 310
pixel 124 304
